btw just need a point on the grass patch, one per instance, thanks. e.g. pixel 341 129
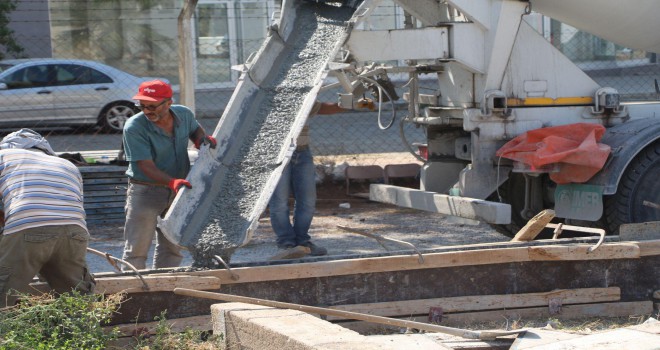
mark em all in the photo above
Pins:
pixel 165 339
pixel 70 321
pixel 75 321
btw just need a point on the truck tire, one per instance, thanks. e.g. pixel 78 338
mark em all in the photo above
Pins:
pixel 638 192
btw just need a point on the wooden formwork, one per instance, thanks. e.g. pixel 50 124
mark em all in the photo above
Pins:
pixel 551 278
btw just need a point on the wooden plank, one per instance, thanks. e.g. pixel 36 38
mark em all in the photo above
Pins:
pixel 568 312
pixel 607 251
pixel 635 277
pixel 110 203
pixel 580 252
pixel 649 248
pixel 109 187
pixel 115 210
pixel 101 203
pixel 485 302
pixel 617 309
pixel 106 221
pixel 156 283
pixel 534 226
pixel 101 168
pixel 102 193
pixel 99 175
pixel 105 181
pixel 640 231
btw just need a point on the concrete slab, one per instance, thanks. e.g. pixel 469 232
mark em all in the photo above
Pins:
pixel 469 208
pixel 625 338
pixel 538 337
pixel 246 326
pixel 408 341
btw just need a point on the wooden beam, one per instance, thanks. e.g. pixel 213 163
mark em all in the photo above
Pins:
pixel 112 283
pixel 489 256
pixel 484 302
pixel 534 226
pixel 568 312
pixel 649 248
pixel 640 231
pixel 580 252
pixel 353 315
pixel 156 283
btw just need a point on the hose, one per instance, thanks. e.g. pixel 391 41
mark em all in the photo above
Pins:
pixel 381 90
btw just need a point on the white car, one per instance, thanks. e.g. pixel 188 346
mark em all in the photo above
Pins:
pixel 62 92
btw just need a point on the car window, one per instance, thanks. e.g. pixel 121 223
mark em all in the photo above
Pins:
pixel 74 74
pixel 100 78
pixel 29 77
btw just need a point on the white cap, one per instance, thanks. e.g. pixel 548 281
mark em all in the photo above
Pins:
pixel 25 139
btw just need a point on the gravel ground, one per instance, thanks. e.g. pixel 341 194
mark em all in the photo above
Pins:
pixel 423 229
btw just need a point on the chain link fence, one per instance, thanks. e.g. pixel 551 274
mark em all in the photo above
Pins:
pixel 139 38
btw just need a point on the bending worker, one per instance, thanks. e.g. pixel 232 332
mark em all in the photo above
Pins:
pixel 156 147
pixel 45 231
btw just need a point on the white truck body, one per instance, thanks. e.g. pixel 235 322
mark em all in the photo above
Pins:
pixel 499 78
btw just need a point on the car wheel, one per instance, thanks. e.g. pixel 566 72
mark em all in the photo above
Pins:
pixel 113 117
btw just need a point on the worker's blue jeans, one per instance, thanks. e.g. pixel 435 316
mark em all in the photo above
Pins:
pixel 298 178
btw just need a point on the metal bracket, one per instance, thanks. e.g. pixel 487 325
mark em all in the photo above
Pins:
pixel 559 228
pixel 113 261
pixel 232 275
pixel 488 105
pixel 607 99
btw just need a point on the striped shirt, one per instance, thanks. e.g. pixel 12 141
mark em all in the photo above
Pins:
pixel 39 190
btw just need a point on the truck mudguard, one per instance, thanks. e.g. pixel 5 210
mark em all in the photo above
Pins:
pixel 626 140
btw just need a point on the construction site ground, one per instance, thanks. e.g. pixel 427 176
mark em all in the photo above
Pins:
pixel 335 208
pixel 424 230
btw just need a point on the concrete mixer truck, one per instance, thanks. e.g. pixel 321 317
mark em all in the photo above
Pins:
pixel 498 79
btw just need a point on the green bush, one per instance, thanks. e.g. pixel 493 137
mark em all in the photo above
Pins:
pixel 69 321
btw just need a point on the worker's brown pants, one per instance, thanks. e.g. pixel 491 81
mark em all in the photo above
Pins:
pixel 56 253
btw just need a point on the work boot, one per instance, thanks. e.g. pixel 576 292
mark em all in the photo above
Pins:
pixel 315 250
pixel 290 252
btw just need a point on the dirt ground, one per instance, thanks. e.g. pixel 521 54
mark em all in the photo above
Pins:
pixel 335 208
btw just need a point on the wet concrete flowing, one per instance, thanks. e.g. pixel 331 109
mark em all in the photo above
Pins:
pixel 253 157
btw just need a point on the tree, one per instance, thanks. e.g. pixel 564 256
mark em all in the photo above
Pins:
pixel 8 44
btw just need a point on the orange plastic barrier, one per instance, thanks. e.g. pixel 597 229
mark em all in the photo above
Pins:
pixel 574 147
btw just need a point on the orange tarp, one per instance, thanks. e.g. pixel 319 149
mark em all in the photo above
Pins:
pixel 574 147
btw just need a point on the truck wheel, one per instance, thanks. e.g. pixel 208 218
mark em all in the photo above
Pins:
pixel 113 116
pixel 638 195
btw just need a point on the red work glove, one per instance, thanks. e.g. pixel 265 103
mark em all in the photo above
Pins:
pixel 175 184
pixel 366 103
pixel 206 140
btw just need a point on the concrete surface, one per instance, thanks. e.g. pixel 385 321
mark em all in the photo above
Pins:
pixel 246 326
